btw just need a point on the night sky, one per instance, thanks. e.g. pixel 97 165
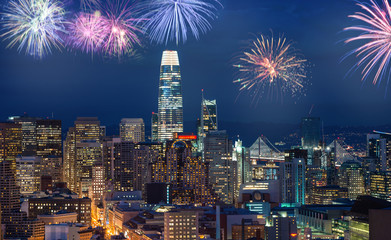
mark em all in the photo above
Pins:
pixel 71 84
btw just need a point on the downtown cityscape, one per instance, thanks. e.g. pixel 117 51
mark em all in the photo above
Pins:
pixel 116 121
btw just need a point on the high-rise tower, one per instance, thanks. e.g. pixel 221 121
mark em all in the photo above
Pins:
pixel 170 102
pixel 208 120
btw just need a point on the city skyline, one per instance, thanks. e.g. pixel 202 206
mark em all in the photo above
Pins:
pixel 205 64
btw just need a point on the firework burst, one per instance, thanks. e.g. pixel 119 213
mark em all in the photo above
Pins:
pixel 171 20
pixel 376 52
pixel 123 29
pixel 89 4
pixel 88 32
pixel 271 67
pixel 34 25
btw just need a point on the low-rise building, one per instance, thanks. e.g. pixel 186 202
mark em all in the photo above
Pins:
pixel 181 224
pixel 327 194
pixel 59 217
pixel 68 231
pixel 58 201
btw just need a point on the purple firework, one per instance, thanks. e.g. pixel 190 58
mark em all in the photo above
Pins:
pixel 89 32
pixel 122 28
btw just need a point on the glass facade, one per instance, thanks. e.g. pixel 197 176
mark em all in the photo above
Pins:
pixel 170 102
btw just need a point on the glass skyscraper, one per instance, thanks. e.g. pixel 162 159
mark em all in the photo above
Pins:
pixel 170 102
pixel 310 135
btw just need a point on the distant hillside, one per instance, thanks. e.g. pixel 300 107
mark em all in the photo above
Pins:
pixel 285 132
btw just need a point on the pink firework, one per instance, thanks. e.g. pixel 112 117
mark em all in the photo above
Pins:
pixel 123 30
pixel 89 32
pixel 375 53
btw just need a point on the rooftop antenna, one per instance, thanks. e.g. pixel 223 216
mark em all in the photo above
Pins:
pixel 312 107
pixel 323 135
pixel 202 113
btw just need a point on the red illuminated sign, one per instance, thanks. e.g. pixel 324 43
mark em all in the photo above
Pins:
pixel 187 137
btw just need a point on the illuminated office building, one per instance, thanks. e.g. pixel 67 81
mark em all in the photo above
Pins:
pixel 281 228
pixel 379 148
pixel 108 150
pixel 82 149
pixel 10 140
pixel 292 181
pixel 9 191
pixel 69 158
pixel 351 177
pixel 154 127
pixel 262 170
pixel 87 129
pixel 315 177
pixel 98 184
pixel 187 175
pixel 132 130
pixel 181 224
pixel 52 166
pixel 17 225
pixel 57 202
pixel 380 185
pixel 208 121
pixel 327 194
pixel 49 141
pixel 123 174
pixel 310 135
pixel 241 156
pixel 170 104
pixel 29 134
pixel 144 154
pixel 87 155
pixel 222 170
pixel 28 174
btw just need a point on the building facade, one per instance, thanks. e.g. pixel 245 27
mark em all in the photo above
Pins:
pixel 170 103
pixel 132 130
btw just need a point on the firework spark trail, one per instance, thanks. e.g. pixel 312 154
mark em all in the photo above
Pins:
pixel 34 25
pixel 174 19
pixel 88 32
pixel 123 29
pixel 89 4
pixel 376 52
pixel 271 67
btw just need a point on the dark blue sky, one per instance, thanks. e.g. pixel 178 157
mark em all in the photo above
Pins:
pixel 72 84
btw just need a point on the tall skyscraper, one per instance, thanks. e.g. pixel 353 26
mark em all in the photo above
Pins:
pixel 132 130
pixel 29 134
pixel 10 140
pixel 17 225
pixel 380 185
pixel 170 101
pixel 292 180
pixel 208 120
pixel 222 170
pixel 310 135
pixel 351 176
pixel 186 175
pixel 241 156
pixel 377 148
pixel 123 162
pixel 49 141
pixel 28 174
pixel 154 127
pixel 82 150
